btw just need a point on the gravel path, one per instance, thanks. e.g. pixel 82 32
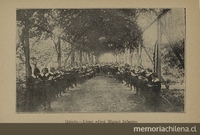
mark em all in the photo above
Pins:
pixel 101 94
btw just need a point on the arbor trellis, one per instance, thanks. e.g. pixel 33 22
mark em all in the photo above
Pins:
pixel 90 33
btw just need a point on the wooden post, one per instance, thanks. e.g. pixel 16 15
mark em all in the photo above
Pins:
pixel 158 70
pixel 166 85
pixel 155 57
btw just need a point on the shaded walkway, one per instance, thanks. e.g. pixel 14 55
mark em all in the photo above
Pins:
pixel 100 94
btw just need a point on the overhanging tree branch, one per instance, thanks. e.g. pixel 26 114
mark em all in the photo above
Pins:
pixel 159 16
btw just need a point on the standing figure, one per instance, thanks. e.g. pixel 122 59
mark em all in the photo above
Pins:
pixel 35 86
pixel 47 80
pixel 55 82
pixel 156 89
pixel 38 84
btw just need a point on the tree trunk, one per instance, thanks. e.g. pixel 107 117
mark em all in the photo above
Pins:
pixel 89 58
pixel 120 58
pixel 116 58
pixel 27 52
pixel 25 42
pixel 97 59
pixel 140 55
pixel 59 52
pixel 128 56
pixel 81 58
pixel 72 56
pixel 85 57
pixel 131 58
pixel 68 55
pixel 125 56
pixel 92 59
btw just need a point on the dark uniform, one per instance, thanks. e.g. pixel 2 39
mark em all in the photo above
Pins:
pixel 47 92
pixel 55 84
pixel 156 87
pixel 35 89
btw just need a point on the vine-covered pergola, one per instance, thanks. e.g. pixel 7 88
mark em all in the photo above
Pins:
pixel 88 31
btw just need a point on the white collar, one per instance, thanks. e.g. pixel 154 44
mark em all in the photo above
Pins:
pixel 156 80
pixel 33 76
pixel 46 74
pixel 51 73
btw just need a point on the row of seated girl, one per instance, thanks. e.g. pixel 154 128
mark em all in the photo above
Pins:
pixel 44 87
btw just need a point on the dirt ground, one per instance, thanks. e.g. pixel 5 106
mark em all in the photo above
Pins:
pixel 103 94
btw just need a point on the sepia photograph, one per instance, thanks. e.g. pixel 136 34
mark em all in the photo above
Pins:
pixel 100 60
